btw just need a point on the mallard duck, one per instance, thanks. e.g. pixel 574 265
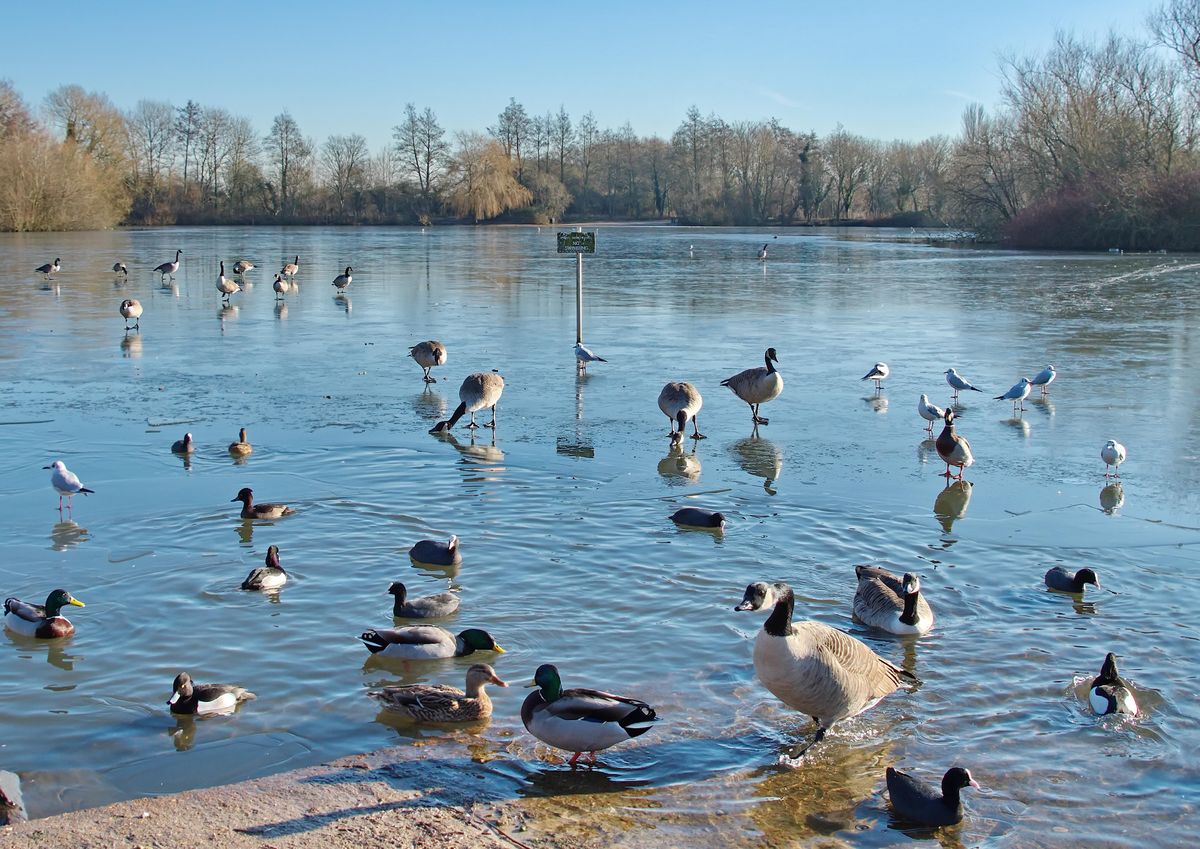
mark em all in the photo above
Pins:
pixel 65 482
pixel 168 269
pixel 427 642
pixel 250 510
pixel 1060 579
pixel 878 373
pixel 269 577
pixel 890 603
pixel 205 698
pixel 1113 454
pixel 920 802
pixel 952 448
pixel 581 720
pixel 241 448
pixel 758 385
pixel 132 308
pixel 436 553
pixel 40 620
pixel 1109 693
pixel 698 517
pixel 427 355
pixel 343 280
pixel 183 446
pixel 439 703
pixel 679 402
pixel 813 668
pixel 478 392
pixel 426 607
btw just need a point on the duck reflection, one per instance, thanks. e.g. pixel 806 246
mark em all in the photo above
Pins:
pixel 183 732
pixel 680 466
pixel 429 404
pixel 1112 498
pixel 67 534
pixel 951 503
pixel 410 730
pixel 877 403
pixel 245 531
pixel 1020 425
pixel 760 458
pixel 131 346
pixel 187 461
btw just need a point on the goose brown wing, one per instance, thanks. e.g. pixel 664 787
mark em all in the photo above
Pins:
pixel 856 660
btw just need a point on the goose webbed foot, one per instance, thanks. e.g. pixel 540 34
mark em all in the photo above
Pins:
pixel 472 425
pixel 797 757
pixel 491 424
pixel 761 420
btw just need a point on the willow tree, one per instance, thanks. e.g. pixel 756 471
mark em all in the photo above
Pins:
pixel 485 179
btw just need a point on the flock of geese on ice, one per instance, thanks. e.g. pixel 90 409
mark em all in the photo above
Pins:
pixel 812 668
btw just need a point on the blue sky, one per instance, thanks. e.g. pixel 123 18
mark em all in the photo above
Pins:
pixel 883 69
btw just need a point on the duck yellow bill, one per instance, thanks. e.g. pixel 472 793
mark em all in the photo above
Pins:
pixel 497 649
pixel 77 602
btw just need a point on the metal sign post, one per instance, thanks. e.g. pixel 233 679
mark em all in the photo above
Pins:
pixel 578 243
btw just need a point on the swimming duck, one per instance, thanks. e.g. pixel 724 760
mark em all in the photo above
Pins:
pixel 585 355
pixel 1109 693
pixel 919 802
pixel 436 553
pixel 343 280
pixel 1044 378
pixel 581 720
pixel 439 703
pixel 891 603
pixel 191 698
pixel 40 620
pixel 66 482
pixel 478 391
pixel 758 385
pixel 425 607
pixel 132 308
pixel 49 268
pixel 183 446
pixel 269 577
pixel 930 412
pixel 250 510
pixel 952 448
pixel 878 373
pixel 679 402
pixel 698 517
pixel 242 266
pixel 813 668
pixel 427 355
pixel 427 642
pixel 1113 454
pixel 241 448
pixel 1060 579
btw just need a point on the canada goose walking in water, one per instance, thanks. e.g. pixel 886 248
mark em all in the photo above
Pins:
pixel 65 482
pixel 343 280
pixel 813 668
pixel 428 355
pixel 242 266
pixel 131 308
pixel 952 448
pixel 958 383
pixel 919 802
pixel 1044 378
pixel 1017 394
pixel 1113 454
pixel 930 412
pixel 49 268
pixel 188 698
pixel 281 287
pixel 119 268
pixel 1109 693
pixel 291 269
pixel 44 621
pixel 241 448
pixel 478 391
pixel 680 402
pixel 762 252
pixel 891 603
pixel 225 285
pixel 439 703
pixel 584 355
pixel 270 576
pixel 758 385
pixel 878 373
pixel 168 269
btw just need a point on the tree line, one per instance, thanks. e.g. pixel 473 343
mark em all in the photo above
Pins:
pixel 1093 145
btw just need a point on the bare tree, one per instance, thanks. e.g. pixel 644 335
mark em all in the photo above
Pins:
pixel 421 143
pixel 344 161
pixel 847 157
pixel 563 139
pixel 1176 24
pixel 289 153
pixel 90 120
pixel 187 125
pixel 587 137
pixel 512 131
pixel 15 119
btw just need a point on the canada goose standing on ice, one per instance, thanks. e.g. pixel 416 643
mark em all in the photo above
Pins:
pixel 225 285
pixel 952 448
pixel 131 308
pixel 762 253
pixel 281 287
pixel 242 266
pixel 478 391
pixel 758 385
pixel 119 268
pixel 679 402
pixel 49 268
pixel 427 355
pixel 168 269
pixel 291 269
pixel 343 280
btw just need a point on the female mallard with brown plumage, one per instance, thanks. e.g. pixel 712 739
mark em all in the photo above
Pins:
pixel 439 703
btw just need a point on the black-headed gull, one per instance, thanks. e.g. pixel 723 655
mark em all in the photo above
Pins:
pixel 1044 378
pixel 959 383
pixel 1018 394
pixel 877 373
pixel 1113 454
pixel 585 355
pixel 930 412
pixel 65 482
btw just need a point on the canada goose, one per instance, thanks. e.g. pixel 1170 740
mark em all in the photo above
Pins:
pixel 1060 579
pixel 65 482
pixel 952 448
pixel 41 620
pixel 242 266
pixel 762 252
pixel 169 268
pixel 225 285
pixel 439 703
pixel 425 607
pixel 917 801
pixel 1113 454
pixel 119 268
pixel 291 269
pixel 183 446
pixel 478 391
pixel 1109 693
pixel 1017 394
pixel 241 448
pixel 890 603
pixel 581 720
pixel 585 355
pixel 427 642
pixel 281 287
pixel 428 355
pixel 878 373
pixel 250 510
pixel 813 668
pixel 188 698
pixel 679 402
pixel 268 577
pixel 757 385
pixel 436 553
pixel 49 268
pixel 698 517
pixel 930 412
pixel 132 308
pixel 343 280
pixel 958 383
pixel 1044 378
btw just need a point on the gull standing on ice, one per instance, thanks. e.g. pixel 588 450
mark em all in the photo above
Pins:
pixel 65 482
pixel 958 383
pixel 1113 454
pixel 877 374
pixel 930 412
pixel 1044 378
pixel 585 355
pixel 1018 394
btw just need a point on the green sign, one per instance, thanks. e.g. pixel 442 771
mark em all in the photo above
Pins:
pixel 577 243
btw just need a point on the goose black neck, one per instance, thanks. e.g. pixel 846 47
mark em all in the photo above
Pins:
pixel 770 365
pixel 909 615
pixel 459 412
pixel 779 623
